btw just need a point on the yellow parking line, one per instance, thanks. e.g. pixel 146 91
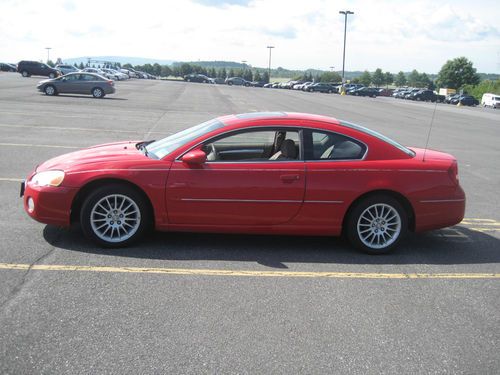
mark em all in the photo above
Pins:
pixel 249 273
pixel 33 145
pixel 11 179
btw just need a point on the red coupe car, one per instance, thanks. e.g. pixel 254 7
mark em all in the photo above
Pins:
pixel 267 173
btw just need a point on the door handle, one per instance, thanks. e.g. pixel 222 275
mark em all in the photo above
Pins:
pixel 289 177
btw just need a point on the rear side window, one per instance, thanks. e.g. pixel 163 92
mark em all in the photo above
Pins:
pixel 324 145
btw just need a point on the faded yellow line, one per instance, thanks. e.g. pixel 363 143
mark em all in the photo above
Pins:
pixel 11 179
pixel 33 145
pixel 208 272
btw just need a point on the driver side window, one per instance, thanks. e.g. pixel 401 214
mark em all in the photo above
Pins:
pixel 255 146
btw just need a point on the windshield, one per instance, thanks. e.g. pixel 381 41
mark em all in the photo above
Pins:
pixel 165 146
pixel 379 136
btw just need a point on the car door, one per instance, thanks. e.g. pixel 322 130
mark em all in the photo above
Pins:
pixel 242 182
pixel 332 161
pixel 68 84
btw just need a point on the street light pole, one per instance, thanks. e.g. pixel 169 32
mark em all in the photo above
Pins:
pixel 48 53
pixel 345 13
pixel 270 48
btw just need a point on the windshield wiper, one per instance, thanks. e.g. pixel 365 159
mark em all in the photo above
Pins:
pixel 141 146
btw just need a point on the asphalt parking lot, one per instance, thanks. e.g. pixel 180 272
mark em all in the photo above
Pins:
pixel 199 303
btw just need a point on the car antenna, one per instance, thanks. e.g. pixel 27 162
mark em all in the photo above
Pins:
pixel 430 129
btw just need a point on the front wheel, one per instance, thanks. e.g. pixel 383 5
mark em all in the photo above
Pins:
pixel 24 73
pixel 49 90
pixel 114 216
pixel 52 75
pixel 377 224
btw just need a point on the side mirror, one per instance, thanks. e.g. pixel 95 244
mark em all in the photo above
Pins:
pixel 195 157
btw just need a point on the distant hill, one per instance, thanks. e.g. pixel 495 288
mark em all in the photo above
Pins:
pixel 119 59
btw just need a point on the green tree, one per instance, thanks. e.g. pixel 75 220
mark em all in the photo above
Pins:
pixel 487 86
pixel 265 77
pixel 230 73
pixel 81 66
pixel 400 79
pixel 414 78
pixel 388 78
pixel 330 77
pixel 156 69
pixel 366 78
pixel 165 71
pixel 456 73
pixel 257 77
pixel 247 74
pixel 378 77
pixel 50 63
pixel 185 69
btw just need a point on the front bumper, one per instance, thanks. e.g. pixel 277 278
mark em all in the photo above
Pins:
pixel 48 204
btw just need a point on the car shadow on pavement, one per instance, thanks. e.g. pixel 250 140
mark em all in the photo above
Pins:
pixel 456 245
pixel 85 97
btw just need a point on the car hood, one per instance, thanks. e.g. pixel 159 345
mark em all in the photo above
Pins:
pixel 110 155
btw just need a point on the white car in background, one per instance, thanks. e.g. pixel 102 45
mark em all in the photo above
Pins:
pixel 99 71
pixel 119 76
pixel 490 100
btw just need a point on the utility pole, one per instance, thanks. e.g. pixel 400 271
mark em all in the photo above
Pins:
pixel 345 13
pixel 48 53
pixel 270 48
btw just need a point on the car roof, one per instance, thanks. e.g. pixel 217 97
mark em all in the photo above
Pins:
pixel 237 119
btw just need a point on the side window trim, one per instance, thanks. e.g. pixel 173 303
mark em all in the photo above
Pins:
pixel 275 128
pixel 309 148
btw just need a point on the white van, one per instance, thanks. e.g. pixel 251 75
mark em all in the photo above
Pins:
pixel 491 100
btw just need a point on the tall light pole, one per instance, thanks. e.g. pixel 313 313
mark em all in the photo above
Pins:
pixel 345 13
pixel 270 48
pixel 48 53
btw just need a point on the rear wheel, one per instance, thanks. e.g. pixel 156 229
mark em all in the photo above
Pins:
pixel 52 75
pixel 376 224
pixel 25 73
pixel 97 93
pixel 114 216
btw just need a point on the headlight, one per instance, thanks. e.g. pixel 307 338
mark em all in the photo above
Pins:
pixel 48 178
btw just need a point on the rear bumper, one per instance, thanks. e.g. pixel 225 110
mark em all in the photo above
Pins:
pixel 440 213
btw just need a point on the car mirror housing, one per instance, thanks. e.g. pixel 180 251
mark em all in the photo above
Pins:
pixel 194 157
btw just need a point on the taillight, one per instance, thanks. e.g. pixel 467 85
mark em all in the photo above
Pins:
pixel 111 82
pixel 453 172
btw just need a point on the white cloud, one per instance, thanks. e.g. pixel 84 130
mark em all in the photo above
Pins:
pixel 389 34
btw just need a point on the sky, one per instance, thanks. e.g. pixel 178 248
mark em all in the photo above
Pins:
pixel 394 35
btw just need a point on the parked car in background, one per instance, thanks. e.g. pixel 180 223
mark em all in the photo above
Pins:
pixel 449 98
pixel 119 76
pixel 321 87
pixel 65 69
pixel 384 92
pixel 201 78
pixel 490 100
pixel 78 83
pixel 4 67
pixel 465 100
pixel 34 68
pixel 237 81
pixel 364 91
pixel 99 72
pixel 257 84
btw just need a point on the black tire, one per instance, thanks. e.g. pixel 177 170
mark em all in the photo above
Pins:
pixel 377 224
pixel 98 93
pixel 330 91
pixel 52 75
pixel 95 211
pixel 24 73
pixel 50 90
pixel 230 83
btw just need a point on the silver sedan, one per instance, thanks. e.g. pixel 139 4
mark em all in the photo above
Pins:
pixel 78 83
